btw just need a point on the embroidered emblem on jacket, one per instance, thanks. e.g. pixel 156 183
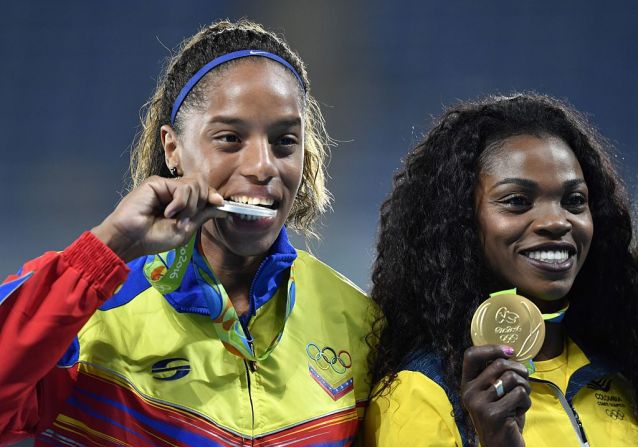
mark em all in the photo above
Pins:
pixel 170 369
pixel 330 368
pixel 600 385
pixel 615 414
pixel 608 400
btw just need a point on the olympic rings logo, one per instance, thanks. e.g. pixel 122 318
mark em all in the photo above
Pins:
pixel 615 414
pixel 508 338
pixel 328 358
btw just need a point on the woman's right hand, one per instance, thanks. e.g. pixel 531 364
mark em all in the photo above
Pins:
pixel 159 215
pixel 498 420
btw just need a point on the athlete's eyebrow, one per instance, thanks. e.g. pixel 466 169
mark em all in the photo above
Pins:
pixel 288 122
pixel 234 121
pixel 571 184
pixel 230 120
pixel 526 183
pixel 530 184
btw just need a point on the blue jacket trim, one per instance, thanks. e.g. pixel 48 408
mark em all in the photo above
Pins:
pixel 270 274
pixel 8 288
pixel 582 376
pixel 135 284
pixel 189 297
pixel 71 356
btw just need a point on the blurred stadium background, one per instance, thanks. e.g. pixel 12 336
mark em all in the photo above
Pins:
pixel 75 73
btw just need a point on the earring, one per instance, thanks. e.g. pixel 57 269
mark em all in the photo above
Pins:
pixel 173 171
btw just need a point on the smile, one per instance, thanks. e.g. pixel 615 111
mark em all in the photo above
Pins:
pixel 551 259
pixel 261 201
pixel 266 202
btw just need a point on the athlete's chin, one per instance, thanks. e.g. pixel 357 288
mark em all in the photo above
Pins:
pixel 250 250
pixel 248 246
pixel 247 243
pixel 546 293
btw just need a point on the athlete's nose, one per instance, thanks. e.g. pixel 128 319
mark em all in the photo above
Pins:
pixel 552 221
pixel 258 161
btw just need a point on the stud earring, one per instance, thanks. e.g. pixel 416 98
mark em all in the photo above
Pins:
pixel 173 172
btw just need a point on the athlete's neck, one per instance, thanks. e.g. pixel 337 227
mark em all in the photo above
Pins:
pixel 554 332
pixel 236 273
pixel 554 342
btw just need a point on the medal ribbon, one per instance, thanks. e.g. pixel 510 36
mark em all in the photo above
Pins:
pixel 555 317
pixel 227 323
pixel 167 279
pixel 225 319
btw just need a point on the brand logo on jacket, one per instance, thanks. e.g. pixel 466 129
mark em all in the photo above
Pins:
pixel 600 385
pixel 331 369
pixel 170 369
pixel 609 401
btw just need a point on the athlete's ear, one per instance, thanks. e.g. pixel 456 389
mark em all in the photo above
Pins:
pixel 172 148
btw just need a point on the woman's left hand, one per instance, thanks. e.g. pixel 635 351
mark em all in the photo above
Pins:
pixel 495 391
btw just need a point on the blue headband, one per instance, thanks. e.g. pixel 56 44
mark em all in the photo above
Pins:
pixel 223 59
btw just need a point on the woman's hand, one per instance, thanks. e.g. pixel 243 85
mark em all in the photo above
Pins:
pixel 497 409
pixel 159 215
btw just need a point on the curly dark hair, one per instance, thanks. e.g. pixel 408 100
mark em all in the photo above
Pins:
pixel 430 274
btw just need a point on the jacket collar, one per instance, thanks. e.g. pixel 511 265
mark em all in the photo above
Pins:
pixel 593 370
pixel 272 272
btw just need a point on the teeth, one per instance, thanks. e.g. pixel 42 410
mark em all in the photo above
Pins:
pixel 252 200
pixel 552 257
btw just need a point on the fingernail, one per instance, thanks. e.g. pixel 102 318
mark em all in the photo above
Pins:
pixel 508 350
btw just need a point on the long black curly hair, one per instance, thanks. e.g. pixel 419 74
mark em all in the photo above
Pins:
pixel 430 274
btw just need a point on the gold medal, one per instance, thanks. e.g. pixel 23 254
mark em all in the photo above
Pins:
pixel 509 319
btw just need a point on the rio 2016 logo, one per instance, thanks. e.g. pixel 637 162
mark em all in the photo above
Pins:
pixel 182 258
pixel 503 315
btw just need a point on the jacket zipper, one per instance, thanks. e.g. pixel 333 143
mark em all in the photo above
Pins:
pixel 569 409
pixel 252 365
pixel 251 291
pixel 250 398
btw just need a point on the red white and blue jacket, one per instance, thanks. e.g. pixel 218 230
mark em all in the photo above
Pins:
pixel 85 366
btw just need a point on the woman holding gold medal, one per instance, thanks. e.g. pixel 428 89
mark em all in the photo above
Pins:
pixel 513 197
pixel 218 332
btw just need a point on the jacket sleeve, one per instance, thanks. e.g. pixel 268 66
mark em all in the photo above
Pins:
pixel 42 309
pixel 415 412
